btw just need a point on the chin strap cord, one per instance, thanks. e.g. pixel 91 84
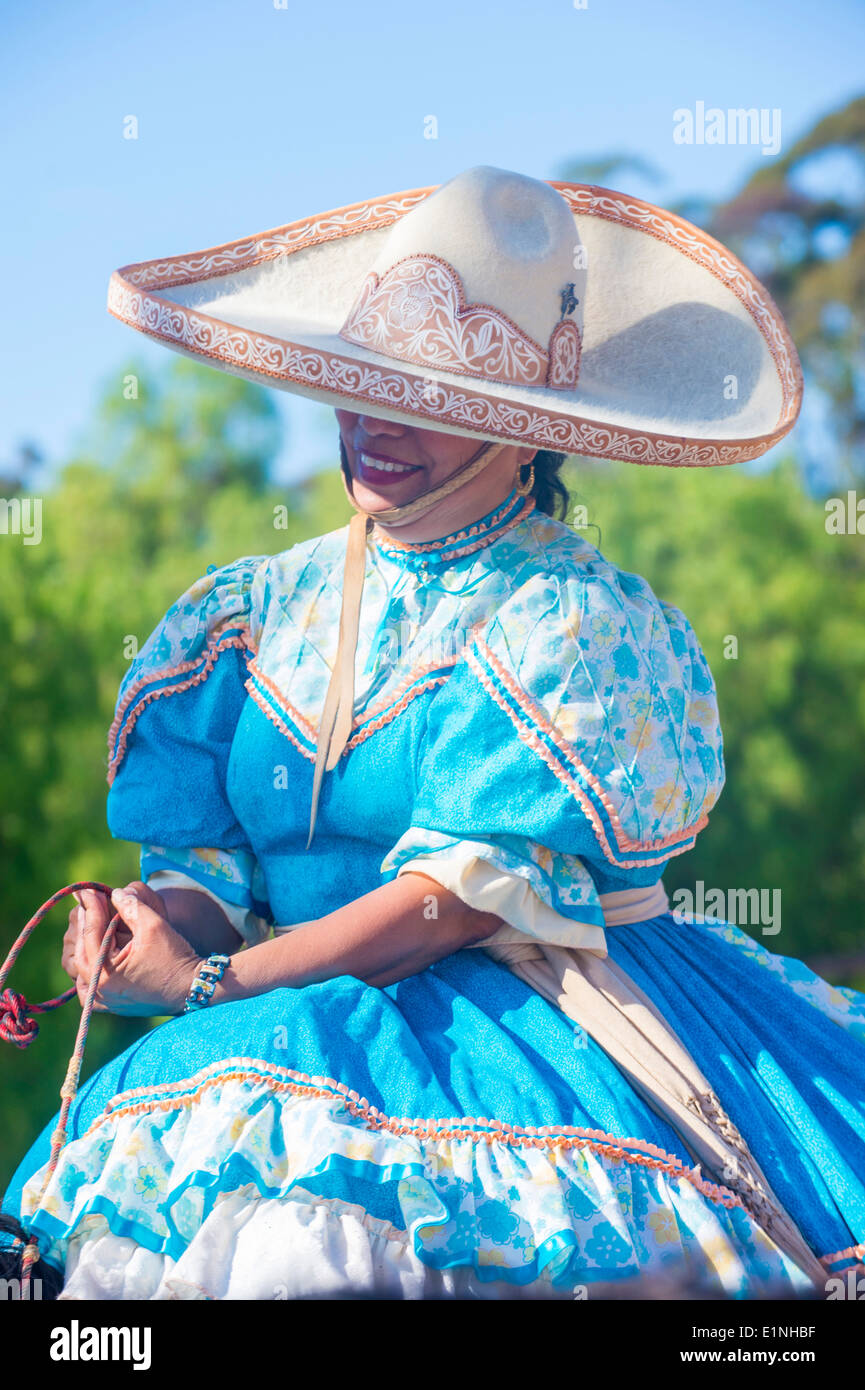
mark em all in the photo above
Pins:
pixel 334 730
pixel 18 1027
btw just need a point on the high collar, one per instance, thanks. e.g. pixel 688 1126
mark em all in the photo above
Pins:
pixel 421 556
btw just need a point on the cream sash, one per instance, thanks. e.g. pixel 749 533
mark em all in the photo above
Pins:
pixel 606 1003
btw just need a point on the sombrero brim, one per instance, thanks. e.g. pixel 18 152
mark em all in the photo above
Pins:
pixel 686 359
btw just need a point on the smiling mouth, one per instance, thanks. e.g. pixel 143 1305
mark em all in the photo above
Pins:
pixel 382 471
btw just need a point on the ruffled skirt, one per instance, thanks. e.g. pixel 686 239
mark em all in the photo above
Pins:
pixel 456 1134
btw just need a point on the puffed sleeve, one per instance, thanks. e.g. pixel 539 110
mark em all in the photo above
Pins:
pixel 574 750
pixel 171 739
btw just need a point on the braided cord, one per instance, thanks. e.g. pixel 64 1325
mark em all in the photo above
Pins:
pixel 19 1027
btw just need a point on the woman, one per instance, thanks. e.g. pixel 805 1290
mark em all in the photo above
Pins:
pixel 446 753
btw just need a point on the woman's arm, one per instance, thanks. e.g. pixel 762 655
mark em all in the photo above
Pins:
pixel 395 931
pixel 200 921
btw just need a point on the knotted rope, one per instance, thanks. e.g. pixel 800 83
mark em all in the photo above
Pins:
pixel 18 1026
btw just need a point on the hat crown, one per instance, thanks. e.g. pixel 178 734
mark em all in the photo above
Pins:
pixel 486 276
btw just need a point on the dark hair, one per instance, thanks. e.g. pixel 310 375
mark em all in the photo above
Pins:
pixel 50 1277
pixel 550 494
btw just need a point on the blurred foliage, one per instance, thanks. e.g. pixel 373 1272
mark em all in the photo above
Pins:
pixel 178 477
pixel 799 223
pixel 610 170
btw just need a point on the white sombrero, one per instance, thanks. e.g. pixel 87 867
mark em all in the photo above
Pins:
pixel 550 315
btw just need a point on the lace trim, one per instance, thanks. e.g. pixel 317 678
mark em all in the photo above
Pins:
pixel 674 843
pixel 414 683
pixel 201 665
pixel 270 713
pixel 481 533
pixel 181 1094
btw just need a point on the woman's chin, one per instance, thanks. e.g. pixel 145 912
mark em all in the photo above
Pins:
pixel 370 499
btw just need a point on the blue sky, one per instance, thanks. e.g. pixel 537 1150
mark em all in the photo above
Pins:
pixel 251 115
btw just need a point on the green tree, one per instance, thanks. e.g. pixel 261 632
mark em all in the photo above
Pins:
pixel 800 222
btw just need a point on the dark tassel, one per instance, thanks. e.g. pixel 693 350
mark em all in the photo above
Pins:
pixel 46 1281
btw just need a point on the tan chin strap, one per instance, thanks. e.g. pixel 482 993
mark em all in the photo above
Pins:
pixel 338 713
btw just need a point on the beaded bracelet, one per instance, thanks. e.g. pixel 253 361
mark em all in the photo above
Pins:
pixel 209 973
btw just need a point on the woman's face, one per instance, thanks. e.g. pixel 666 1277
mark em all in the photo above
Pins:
pixel 392 464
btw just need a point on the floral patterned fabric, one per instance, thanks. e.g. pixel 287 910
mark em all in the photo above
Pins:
pixel 561 881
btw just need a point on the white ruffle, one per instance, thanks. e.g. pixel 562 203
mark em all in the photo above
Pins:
pixel 220 1175
pixel 263 1249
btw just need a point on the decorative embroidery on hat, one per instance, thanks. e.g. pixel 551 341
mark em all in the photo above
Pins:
pixel 392 389
pixel 700 247
pixel 282 241
pixel 565 350
pixel 417 312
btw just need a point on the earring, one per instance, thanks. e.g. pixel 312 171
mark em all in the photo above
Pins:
pixel 523 489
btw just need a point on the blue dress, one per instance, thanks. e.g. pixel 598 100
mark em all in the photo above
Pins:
pixel 523 705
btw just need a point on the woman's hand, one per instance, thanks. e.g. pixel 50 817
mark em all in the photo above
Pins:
pixel 149 968
pixel 93 907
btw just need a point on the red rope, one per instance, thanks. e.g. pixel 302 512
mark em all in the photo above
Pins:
pixel 19 1027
